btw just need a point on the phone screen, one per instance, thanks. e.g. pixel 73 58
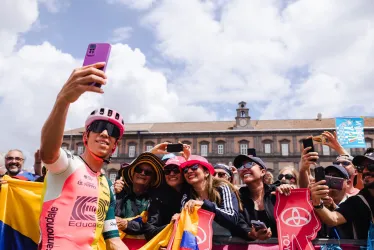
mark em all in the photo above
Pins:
pixel 174 148
pixel 334 182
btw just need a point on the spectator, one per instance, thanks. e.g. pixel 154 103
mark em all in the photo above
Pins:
pixel 212 194
pixel 289 175
pixel 133 190
pixel 346 162
pixel 268 178
pixel 14 161
pixel 223 171
pixel 356 210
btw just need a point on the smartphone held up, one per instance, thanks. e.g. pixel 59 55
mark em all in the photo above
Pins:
pixel 97 52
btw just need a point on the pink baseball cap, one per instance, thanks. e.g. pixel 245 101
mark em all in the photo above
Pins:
pixel 196 159
pixel 177 160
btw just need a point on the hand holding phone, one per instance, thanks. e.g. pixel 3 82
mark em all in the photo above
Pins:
pixel 309 143
pixel 258 224
pixel 97 52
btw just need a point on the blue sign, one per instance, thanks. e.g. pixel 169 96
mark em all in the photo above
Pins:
pixel 350 132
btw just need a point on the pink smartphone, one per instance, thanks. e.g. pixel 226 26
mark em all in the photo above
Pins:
pixel 97 52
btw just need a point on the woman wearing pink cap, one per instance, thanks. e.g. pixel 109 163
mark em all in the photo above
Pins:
pixel 212 194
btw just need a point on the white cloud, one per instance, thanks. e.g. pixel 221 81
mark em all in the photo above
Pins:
pixel 244 50
pixel 55 6
pixel 121 34
pixel 135 4
pixel 32 77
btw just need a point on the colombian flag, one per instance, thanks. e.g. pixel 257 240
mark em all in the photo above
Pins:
pixel 19 214
pixel 185 236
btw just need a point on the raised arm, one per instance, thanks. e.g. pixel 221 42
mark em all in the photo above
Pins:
pixel 76 85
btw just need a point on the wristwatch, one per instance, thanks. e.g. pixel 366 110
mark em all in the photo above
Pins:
pixel 320 206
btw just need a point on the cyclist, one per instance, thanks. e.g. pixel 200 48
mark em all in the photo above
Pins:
pixel 78 201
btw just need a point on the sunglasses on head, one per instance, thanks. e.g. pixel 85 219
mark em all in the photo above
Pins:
pixel 145 172
pixel 220 175
pixel 175 170
pixel 100 126
pixel 247 165
pixel 10 158
pixel 286 176
pixel 193 168
pixel 343 163
pixel 370 167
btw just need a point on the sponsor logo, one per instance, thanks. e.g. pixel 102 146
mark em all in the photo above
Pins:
pixel 102 209
pixel 84 212
pixel 87 177
pixel 201 235
pixel 50 226
pixel 296 217
pixel 90 185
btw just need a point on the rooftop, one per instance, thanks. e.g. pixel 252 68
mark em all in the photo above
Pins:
pixel 226 126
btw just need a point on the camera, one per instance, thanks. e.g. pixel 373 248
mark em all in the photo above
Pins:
pixel 92 46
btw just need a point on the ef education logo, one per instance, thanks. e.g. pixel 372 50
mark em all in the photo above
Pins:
pixel 296 217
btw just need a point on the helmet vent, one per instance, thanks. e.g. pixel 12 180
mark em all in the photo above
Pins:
pixel 117 116
pixel 110 112
pixel 93 112
pixel 101 111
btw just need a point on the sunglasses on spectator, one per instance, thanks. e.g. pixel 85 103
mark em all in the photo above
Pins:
pixel 100 126
pixel 193 168
pixel 370 167
pixel 10 158
pixel 286 176
pixel 220 175
pixel 343 163
pixel 370 174
pixel 140 170
pixel 247 165
pixel 175 170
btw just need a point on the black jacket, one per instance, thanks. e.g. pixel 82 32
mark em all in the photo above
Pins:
pixel 244 225
pixel 164 204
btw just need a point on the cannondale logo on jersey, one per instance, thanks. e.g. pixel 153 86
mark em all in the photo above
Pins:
pixel 296 217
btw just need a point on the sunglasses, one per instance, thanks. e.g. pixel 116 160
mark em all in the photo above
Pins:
pixel 175 170
pixel 370 174
pixel 247 165
pixel 220 175
pixel 370 167
pixel 10 158
pixel 193 168
pixel 343 163
pixel 140 170
pixel 100 126
pixel 286 176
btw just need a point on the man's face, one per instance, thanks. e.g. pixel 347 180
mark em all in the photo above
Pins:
pixel 14 162
pixel 368 177
pixel 352 171
pixel 101 144
pixel 335 194
pixel 222 174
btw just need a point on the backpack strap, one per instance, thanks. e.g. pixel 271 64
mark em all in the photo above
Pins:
pixel 367 204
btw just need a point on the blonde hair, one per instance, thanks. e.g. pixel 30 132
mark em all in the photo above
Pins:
pixel 212 184
pixel 293 171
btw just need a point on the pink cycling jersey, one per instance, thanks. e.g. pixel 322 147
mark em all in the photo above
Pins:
pixel 78 206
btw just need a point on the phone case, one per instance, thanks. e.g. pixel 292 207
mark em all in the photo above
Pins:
pixel 173 148
pixel 251 151
pixel 334 182
pixel 319 173
pixel 97 52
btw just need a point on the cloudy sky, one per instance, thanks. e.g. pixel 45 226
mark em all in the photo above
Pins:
pixel 186 60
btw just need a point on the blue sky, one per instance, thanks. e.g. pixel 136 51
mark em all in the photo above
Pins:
pixel 73 27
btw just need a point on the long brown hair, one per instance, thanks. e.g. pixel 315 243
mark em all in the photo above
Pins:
pixel 212 184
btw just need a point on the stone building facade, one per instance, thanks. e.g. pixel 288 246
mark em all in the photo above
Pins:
pixel 277 142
